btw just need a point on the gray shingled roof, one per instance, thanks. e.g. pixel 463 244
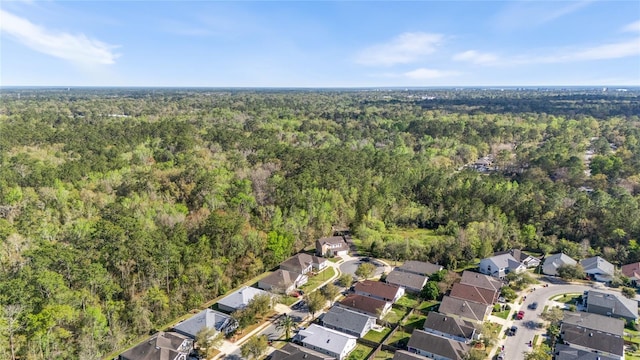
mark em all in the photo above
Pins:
pixel 438 345
pixel 280 279
pixel 566 352
pixel 342 318
pixel 599 264
pixel 592 339
pixel 619 305
pixel 481 280
pixel 206 318
pixel 406 280
pixel 241 297
pixel 553 262
pixel 419 267
pixel 405 355
pixel 295 352
pixel 449 325
pixel 463 308
pixel 161 346
pixel 596 322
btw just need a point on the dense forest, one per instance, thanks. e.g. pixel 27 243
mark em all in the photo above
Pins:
pixel 121 209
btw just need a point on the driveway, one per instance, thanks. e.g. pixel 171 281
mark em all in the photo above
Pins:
pixel 516 346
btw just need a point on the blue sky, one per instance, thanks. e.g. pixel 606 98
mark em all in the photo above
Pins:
pixel 319 43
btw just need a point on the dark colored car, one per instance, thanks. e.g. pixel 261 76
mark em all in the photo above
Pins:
pixel 533 306
pixel 513 330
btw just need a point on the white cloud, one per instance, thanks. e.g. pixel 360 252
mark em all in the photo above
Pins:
pixel 405 48
pixel 73 47
pixel 476 57
pixel 633 27
pixel 600 52
pixel 424 73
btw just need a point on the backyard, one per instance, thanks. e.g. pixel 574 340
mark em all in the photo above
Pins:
pixel 361 352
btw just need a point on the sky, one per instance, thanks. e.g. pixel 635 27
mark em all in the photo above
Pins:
pixel 320 43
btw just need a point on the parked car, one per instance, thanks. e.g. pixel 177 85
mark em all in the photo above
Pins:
pixel 533 305
pixel 513 330
pixel 520 315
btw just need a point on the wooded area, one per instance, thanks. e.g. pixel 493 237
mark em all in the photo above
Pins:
pixel 121 209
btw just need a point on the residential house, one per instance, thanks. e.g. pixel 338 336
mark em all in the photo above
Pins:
pixel 348 321
pixel 239 299
pixel 591 340
pixel 205 319
pixel 632 271
pixel 412 283
pixel 332 246
pixel 161 346
pixel 436 347
pixel 302 263
pixel 500 265
pixel 327 341
pixel 470 292
pixel 598 269
pixel 470 310
pixel 451 327
pixel 567 352
pixel 282 281
pixel 379 290
pixel 405 355
pixel 553 262
pixel 524 258
pixel 365 305
pixel 613 305
pixel 419 267
pixel 481 281
pixel 292 351
pixel 596 322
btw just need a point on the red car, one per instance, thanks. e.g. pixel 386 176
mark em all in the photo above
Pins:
pixel 520 315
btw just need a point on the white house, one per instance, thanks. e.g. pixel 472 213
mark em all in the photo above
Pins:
pixel 327 341
pixel 500 265
pixel 239 299
pixel 598 268
pixel 553 262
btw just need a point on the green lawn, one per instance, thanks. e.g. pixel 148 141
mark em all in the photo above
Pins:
pixel 566 298
pixel 408 300
pixel 383 355
pixel 398 336
pixel 415 321
pixel 629 356
pixel 315 281
pixel 361 352
pixel 428 305
pixel 634 336
pixel 377 336
pixel 502 314
pixel 394 316
pixel 287 300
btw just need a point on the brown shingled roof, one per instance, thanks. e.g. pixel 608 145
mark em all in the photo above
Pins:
pixel 377 288
pixel 363 303
pixel 469 292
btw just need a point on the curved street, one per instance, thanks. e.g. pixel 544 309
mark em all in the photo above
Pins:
pixel 516 346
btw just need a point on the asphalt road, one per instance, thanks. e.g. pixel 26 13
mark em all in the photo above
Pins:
pixel 271 331
pixel 350 267
pixel 516 346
